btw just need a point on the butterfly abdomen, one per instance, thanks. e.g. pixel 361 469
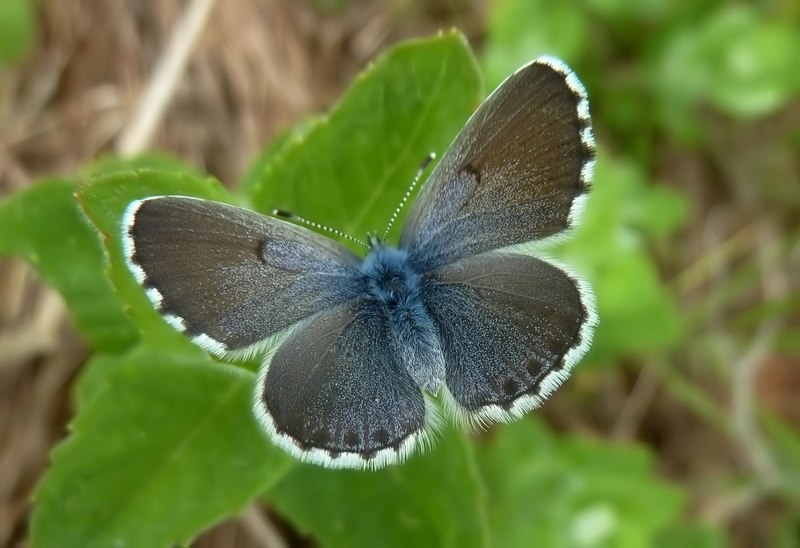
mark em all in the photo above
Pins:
pixel 395 286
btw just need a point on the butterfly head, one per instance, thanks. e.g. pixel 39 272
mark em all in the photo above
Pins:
pixel 388 272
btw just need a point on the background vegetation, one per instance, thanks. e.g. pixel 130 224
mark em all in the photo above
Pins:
pixel 679 428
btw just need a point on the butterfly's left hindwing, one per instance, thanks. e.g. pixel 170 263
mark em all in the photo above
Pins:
pixel 511 328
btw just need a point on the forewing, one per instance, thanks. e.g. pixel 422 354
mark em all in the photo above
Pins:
pixel 511 328
pixel 333 395
pixel 520 170
pixel 230 278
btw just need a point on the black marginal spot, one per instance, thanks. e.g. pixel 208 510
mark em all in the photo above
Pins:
pixel 134 258
pixel 132 225
pixel 534 367
pixel 511 387
pixel 536 388
pixel 577 342
pixel 334 454
pixel 188 330
pixel 381 436
pixel 320 438
pixel 352 439
pixel 191 333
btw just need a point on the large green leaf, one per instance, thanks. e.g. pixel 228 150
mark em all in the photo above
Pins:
pixel 44 225
pixel 163 446
pixel 349 169
pixel 551 491
pixel 436 499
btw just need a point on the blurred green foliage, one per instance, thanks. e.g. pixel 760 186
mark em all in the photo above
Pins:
pixel 164 444
pixel 553 490
pixel 610 248
pixel 17 30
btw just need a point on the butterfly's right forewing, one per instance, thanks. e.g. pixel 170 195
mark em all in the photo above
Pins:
pixel 231 278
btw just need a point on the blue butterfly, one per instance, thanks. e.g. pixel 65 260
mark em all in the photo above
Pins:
pixel 456 309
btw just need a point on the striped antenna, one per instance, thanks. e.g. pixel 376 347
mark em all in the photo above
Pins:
pixel 298 219
pixel 428 159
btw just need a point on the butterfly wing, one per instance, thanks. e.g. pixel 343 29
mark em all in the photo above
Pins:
pixel 230 278
pixel 511 327
pixel 519 170
pixel 333 395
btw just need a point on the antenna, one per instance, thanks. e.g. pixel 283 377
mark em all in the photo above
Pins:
pixel 298 219
pixel 428 159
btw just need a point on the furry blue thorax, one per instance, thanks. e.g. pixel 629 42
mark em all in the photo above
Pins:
pixel 391 279
pixel 398 291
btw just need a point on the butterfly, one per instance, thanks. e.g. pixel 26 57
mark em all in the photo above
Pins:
pixel 366 351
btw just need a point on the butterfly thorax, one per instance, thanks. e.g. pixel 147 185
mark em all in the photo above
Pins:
pixel 391 279
pixel 398 292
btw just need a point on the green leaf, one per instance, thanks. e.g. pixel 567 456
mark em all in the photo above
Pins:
pixel 112 164
pixel 349 169
pixel 629 11
pixel 44 225
pixel 785 443
pixel 551 491
pixel 17 30
pixel 628 291
pixel 436 499
pixel 163 446
pixel 255 173
pixel 104 199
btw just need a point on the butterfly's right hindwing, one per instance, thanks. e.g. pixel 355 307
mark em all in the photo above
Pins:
pixel 332 394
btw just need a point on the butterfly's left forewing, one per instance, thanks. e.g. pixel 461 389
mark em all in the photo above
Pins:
pixel 520 170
